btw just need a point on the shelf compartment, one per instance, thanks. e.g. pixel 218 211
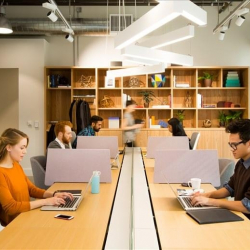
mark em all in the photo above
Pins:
pixel 216 73
pixel 213 96
pixel 184 76
pixel 134 81
pixel 167 79
pixel 189 119
pixel 160 115
pixel 101 73
pixel 184 98
pixel 242 73
pixel 84 78
pixel 105 114
pixel 114 94
pixel 63 72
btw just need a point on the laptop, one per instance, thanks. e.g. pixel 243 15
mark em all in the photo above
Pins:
pixel 166 142
pixel 69 205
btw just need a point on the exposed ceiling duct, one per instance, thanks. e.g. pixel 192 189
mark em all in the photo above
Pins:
pixel 81 26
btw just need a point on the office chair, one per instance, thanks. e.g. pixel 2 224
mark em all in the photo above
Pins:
pixel 73 137
pixel 226 167
pixel 38 165
pixel 194 140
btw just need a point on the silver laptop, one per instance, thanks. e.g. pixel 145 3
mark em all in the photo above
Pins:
pixel 69 205
pixel 99 142
pixel 166 142
pixel 185 201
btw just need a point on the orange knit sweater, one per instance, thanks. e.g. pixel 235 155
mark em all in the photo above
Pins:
pixel 15 192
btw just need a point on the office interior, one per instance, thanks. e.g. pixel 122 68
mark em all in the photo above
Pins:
pixel 23 58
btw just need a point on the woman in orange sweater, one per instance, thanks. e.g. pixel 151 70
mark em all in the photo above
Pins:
pixel 15 188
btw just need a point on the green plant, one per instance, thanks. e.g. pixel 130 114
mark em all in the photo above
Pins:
pixel 147 95
pixel 222 116
pixel 233 115
pixel 206 75
pixel 180 115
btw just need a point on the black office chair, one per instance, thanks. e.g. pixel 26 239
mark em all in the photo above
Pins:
pixel 38 166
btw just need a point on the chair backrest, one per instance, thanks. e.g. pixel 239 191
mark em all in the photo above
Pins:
pixel 38 165
pixel 73 136
pixel 226 167
pixel 194 140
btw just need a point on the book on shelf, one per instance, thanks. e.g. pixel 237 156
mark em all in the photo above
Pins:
pixel 199 100
pixel 63 87
pixel 210 105
pixel 182 85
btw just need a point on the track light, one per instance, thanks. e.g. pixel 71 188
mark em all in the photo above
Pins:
pixel 69 38
pixel 222 35
pixel 240 20
pixel 242 11
pixel 5 26
pixel 52 16
pixel 49 6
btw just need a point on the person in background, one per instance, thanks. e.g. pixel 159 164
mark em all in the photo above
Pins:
pixel 239 184
pixel 95 126
pixel 175 127
pixel 15 187
pixel 63 135
pixel 128 125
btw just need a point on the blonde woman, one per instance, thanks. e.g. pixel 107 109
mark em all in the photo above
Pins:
pixel 15 188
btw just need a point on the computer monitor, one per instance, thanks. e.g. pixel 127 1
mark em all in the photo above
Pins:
pixel 178 166
pixel 99 142
pixel 166 142
pixel 76 165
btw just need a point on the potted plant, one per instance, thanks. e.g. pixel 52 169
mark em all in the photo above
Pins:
pixel 233 115
pixel 147 96
pixel 207 79
pixel 180 115
pixel 222 118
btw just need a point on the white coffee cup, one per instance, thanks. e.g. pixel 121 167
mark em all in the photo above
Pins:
pixel 195 183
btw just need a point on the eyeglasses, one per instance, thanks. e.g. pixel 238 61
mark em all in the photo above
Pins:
pixel 234 145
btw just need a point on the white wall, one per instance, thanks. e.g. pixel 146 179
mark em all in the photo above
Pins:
pixel 28 57
pixel 31 55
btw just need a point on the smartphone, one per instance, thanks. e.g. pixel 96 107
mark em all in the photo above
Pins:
pixel 64 217
pixel 184 184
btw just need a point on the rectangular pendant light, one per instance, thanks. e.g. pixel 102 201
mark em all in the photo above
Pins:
pixel 169 38
pixel 163 13
pixel 142 70
pixel 157 55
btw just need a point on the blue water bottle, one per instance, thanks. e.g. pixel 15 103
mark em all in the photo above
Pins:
pixel 95 183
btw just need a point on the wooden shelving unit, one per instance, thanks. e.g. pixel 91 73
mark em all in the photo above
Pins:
pixel 58 100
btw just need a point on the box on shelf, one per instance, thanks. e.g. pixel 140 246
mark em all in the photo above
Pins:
pixel 114 122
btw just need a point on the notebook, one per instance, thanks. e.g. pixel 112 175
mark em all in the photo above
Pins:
pixel 218 215
pixel 69 205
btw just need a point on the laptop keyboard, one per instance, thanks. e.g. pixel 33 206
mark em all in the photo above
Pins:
pixel 69 203
pixel 187 200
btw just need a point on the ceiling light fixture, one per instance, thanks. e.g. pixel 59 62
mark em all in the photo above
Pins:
pixel 236 12
pixel 53 16
pixel 69 37
pixel 169 38
pixel 159 68
pixel 222 35
pixel 5 26
pixel 240 20
pixel 163 13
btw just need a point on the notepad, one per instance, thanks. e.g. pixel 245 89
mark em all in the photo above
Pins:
pixel 218 215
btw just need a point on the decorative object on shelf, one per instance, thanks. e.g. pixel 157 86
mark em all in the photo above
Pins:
pixel 222 118
pixel 158 80
pixel 227 104
pixel 106 102
pixel 207 79
pixel 109 82
pixel 134 82
pixel 147 96
pixel 233 115
pixel 180 115
pixel 209 105
pixel 85 81
pixel 207 123
pixel 232 79
pixel 163 124
pixel 188 100
pixel 221 104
